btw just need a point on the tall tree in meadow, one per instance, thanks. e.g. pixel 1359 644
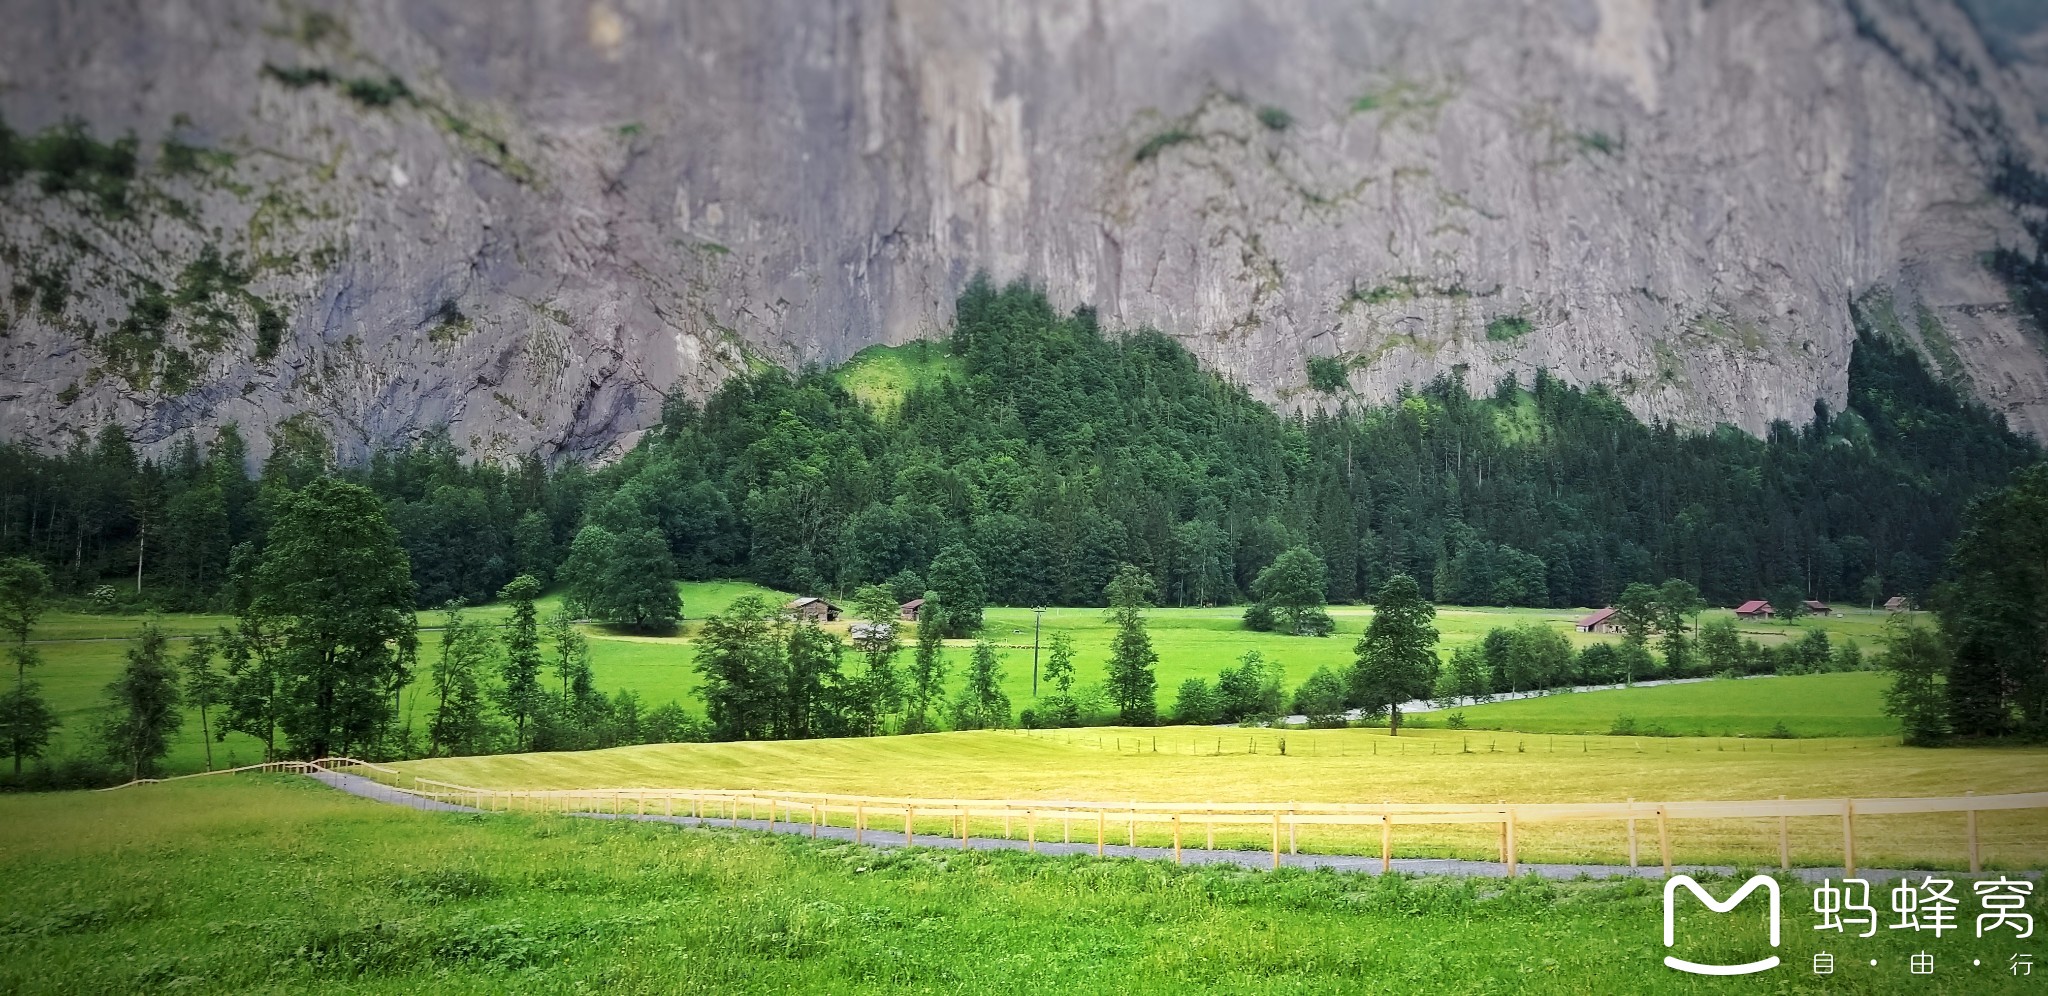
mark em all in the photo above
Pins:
pixel 26 721
pixel 1295 585
pixel 982 703
pixel 519 695
pixel 461 724
pixel 1132 661
pixel 957 576
pixel 1637 612
pixel 1917 659
pixel 816 699
pixel 927 678
pixel 202 686
pixel 572 652
pixel 1994 611
pixel 877 690
pixel 1059 708
pixel 252 683
pixel 741 658
pixel 626 577
pixel 338 590
pixel 1397 655
pixel 143 706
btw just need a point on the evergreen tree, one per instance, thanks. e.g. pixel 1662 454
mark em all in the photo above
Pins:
pixel 142 706
pixel 1994 611
pixel 26 720
pixel 337 589
pixel 519 695
pixel 1397 655
pixel 460 724
pixel 1132 660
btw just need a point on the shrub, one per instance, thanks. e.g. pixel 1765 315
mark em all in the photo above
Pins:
pixel 1327 374
pixel 1258 617
pixel 1507 328
pixel 1161 142
pixel 1275 118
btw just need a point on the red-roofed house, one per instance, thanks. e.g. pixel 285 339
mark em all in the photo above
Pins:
pixel 1755 608
pixel 1603 621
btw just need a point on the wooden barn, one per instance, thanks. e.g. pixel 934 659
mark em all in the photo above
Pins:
pixel 815 610
pixel 908 611
pixel 1897 603
pixel 1604 621
pixel 1819 608
pixel 1755 608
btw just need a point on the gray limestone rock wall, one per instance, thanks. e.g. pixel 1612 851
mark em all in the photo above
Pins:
pixel 529 222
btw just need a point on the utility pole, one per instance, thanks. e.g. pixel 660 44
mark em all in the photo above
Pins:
pixel 1037 619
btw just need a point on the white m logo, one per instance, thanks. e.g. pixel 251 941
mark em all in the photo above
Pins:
pixel 1763 882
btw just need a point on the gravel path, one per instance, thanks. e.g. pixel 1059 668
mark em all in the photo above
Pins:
pixel 357 785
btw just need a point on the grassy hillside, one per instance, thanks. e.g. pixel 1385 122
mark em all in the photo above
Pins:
pixel 1192 764
pixel 1807 705
pixel 879 376
pixel 275 885
pixel 84 652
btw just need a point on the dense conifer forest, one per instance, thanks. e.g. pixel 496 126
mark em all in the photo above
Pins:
pixel 1047 452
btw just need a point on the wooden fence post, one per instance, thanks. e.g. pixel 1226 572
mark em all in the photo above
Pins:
pixel 1503 832
pixel 1176 838
pixel 1131 830
pixel 860 821
pixel 1664 839
pixel 1848 838
pixel 1386 840
pixel 1276 840
pixel 1031 830
pixel 1291 825
pixel 909 835
pixel 814 819
pixel 1509 828
pixel 1784 841
pixel 1101 829
pixel 1970 825
pixel 1632 832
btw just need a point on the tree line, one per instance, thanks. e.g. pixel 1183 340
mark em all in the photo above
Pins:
pixel 1048 454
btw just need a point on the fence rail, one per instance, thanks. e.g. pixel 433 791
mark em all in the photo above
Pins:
pixel 1098 818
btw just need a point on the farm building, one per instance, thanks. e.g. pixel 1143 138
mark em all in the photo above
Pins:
pixel 1755 608
pixel 908 611
pixel 813 609
pixel 1603 621
pixel 1819 608
pixel 1897 603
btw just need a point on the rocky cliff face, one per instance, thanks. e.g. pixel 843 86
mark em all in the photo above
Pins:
pixel 530 221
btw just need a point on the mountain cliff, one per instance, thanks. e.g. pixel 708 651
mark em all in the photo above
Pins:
pixel 529 222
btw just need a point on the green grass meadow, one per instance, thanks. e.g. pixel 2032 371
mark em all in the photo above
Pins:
pixel 277 884
pixel 82 653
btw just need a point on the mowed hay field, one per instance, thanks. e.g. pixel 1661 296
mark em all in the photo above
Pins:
pixel 1192 765
pixel 1806 705
pixel 84 652
pixel 277 884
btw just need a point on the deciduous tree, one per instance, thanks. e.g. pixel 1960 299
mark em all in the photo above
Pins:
pixel 1397 655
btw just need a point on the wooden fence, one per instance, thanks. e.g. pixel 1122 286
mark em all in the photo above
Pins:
pixel 1098 818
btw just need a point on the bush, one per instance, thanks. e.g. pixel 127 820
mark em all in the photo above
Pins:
pixel 1455 721
pixel 1161 142
pixel 1507 328
pixel 1258 617
pixel 1327 374
pixel 1275 118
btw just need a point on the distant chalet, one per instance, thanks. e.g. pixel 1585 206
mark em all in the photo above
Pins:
pixel 1755 608
pixel 1897 603
pixel 1819 608
pixel 815 610
pixel 1603 621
